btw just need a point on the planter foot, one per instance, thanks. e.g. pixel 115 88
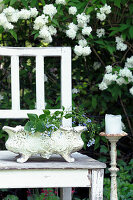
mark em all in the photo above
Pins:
pixel 23 159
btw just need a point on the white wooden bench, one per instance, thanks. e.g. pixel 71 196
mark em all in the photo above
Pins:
pixel 38 172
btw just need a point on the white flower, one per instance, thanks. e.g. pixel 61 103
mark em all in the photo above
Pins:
pixel 108 69
pixel 121 81
pixel 78 50
pixel 129 62
pixel 14 17
pixel 131 90
pixel 121 46
pixel 1 97
pixel 4 22
pixel 63 2
pixel 101 16
pixel 83 19
pixel 109 78
pixel 119 39
pixel 73 26
pixel 100 32
pixel 9 11
pixel 71 33
pixel 24 14
pixel 82 42
pixel 75 91
pixel 45 34
pixel 86 51
pixel 86 30
pixel 96 65
pixel 125 72
pixel 45 78
pixel 72 10
pixel 33 12
pixel 102 86
pixel 40 21
pixel 50 10
pixel 52 30
pixel 105 9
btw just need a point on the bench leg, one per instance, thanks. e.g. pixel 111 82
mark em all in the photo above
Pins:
pixel 96 190
pixel 66 193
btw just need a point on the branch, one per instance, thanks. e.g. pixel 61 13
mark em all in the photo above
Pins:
pixel 125 112
pixel 98 57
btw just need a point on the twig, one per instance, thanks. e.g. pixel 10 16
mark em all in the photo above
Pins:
pixel 98 56
pixel 125 112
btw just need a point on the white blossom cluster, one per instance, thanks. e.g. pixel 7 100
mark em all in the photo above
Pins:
pixel 63 2
pixel 72 10
pixel 75 91
pixel 49 9
pixel 131 90
pixel 11 15
pixel 96 65
pixel 100 32
pixel 124 76
pixel 129 62
pixel 105 10
pixel 81 49
pixel 119 44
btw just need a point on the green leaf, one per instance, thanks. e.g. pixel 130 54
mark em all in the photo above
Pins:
pixel 43 2
pixel 25 3
pixel 46 112
pixel 40 126
pixel 103 149
pixel 1 29
pixel 113 33
pixel 131 8
pixel 94 101
pixel 36 35
pixel 117 3
pixel 12 2
pixel 55 22
pixel 28 126
pixel 97 142
pixel 32 117
pixel 131 32
pixel 33 3
pixel 13 33
pixel 100 42
pixel 89 10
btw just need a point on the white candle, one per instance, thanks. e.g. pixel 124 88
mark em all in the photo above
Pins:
pixel 113 124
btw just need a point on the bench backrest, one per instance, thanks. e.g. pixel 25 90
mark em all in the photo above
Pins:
pixel 39 54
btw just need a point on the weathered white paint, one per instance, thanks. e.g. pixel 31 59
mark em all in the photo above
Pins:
pixel 66 83
pixel 39 178
pixel 31 51
pixel 15 83
pixel 66 193
pixel 97 184
pixel 40 96
pixel 18 114
pixel 39 53
pixel 113 138
pixel 63 141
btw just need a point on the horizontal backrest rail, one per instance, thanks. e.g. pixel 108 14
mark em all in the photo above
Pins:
pixel 39 54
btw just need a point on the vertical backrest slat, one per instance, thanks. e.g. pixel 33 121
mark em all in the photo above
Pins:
pixel 66 83
pixel 15 83
pixel 40 95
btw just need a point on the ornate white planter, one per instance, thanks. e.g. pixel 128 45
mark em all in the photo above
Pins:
pixel 64 141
